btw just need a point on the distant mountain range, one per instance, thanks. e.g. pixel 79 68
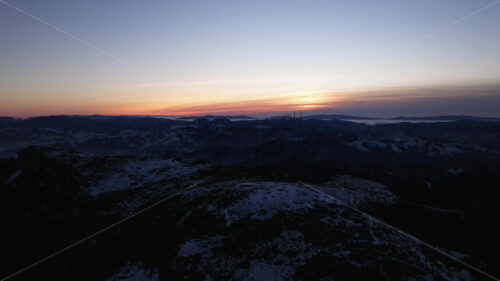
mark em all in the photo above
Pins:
pixel 448 117
pixel 338 116
pixel 61 176
pixel 212 117
pixel 351 117
pixel 9 120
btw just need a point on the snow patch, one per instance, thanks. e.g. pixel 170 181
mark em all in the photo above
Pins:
pixel 357 191
pixel 13 176
pixel 260 270
pixel 267 198
pixel 197 246
pixel 456 171
pixel 135 272
pixel 135 173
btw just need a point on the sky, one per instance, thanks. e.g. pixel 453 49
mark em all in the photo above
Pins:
pixel 377 58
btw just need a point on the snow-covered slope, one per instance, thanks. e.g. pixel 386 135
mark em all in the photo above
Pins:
pixel 263 230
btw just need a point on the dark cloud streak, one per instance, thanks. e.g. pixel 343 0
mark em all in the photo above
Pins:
pixel 452 100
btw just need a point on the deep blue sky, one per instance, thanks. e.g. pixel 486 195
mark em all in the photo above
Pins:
pixel 205 56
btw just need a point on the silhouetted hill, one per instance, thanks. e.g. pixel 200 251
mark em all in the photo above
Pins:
pixel 211 117
pixel 89 123
pixel 7 121
pixel 338 116
pixel 448 118
pixel 63 177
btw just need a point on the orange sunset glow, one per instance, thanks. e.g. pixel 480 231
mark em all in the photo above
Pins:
pixel 230 64
pixel 249 140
